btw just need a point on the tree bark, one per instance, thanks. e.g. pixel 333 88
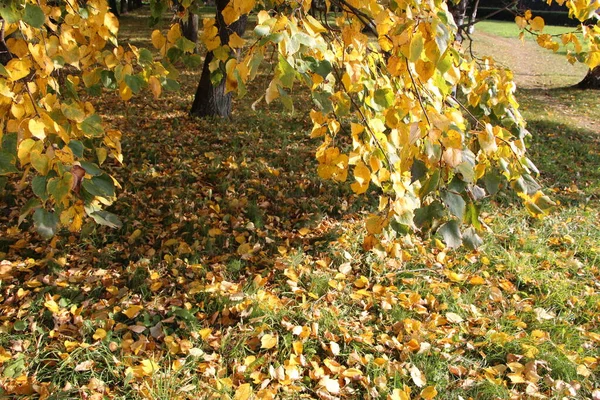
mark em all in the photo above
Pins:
pixel 211 100
pixel 5 55
pixel 112 5
pixel 459 12
pixel 591 80
pixel 189 28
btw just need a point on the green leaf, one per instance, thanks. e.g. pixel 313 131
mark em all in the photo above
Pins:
pixel 451 233
pixel 185 44
pixel 108 79
pixel 418 170
pixel 59 188
pixel 38 185
pixel 77 148
pixel 102 186
pixel 92 125
pixel 455 203
pixel 384 97
pixel 9 13
pixel 416 47
pixel 471 239
pixel 425 216
pixel 45 222
pixel 492 182
pixel 91 168
pixel 7 163
pixel 431 184
pixel 472 215
pixel 171 84
pixel 322 68
pixel 466 170
pixel 27 209
pixel 73 112
pixel 286 73
pixel 145 57
pixel 107 218
pixel 34 16
pixel 135 82
pixel 174 54
pixel 20 325
pixel 192 61
pixel 9 143
pixel 262 30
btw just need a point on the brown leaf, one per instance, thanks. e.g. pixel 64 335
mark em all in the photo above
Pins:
pixel 78 174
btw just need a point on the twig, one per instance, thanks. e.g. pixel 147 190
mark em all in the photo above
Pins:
pixel 418 94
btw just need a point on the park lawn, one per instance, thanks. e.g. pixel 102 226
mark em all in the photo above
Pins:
pixel 239 271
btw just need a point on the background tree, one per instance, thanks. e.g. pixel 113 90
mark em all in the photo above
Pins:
pixel 211 97
pixel 591 80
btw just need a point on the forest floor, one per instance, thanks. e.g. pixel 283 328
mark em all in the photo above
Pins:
pixel 239 273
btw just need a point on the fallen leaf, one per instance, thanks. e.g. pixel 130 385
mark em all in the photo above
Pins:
pixel 417 376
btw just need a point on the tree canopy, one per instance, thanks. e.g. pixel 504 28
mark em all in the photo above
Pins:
pixel 401 107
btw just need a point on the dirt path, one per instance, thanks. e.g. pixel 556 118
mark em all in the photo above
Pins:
pixel 540 73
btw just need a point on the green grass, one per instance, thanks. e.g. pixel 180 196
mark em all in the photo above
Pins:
pixel 509 29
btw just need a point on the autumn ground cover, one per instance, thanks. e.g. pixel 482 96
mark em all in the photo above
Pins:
pixel 239 273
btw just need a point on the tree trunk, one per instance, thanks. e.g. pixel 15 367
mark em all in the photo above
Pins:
pixel 459 12
pixel 211 100
pixel 189 29
pixel 123 6
pixel 473 16
pixel 591 80
pixel 112 5
pixel 5 55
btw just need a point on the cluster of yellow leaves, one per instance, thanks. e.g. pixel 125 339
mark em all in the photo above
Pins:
pixel 59 50
pixel 581 10
pixel 397 92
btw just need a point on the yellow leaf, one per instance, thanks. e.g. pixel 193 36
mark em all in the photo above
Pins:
pixel 149 367
pixel 537 24
pixel 145 368
pixel 230 15
pixel 272 92
pixel 429 392
pixel 174 33
pixel 521 22
pixel 158 40
pixel 593 59
pixel 243 392
pixel 52 306
pixel 398 394
pixel 4 355
pixel 303 231
pixel 37 128
pixel 111 22
pixel 425 69
pixel 268 341
pixel 133 311
pixel 298 347
pixel 125 91
pixel 313 26
pixel 18 69
pixel 100 334
pixel 361 282
pixel 235 41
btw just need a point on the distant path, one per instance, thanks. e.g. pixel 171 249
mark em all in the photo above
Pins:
pixel 538 71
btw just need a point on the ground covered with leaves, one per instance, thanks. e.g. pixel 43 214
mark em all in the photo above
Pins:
pixel 238 273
